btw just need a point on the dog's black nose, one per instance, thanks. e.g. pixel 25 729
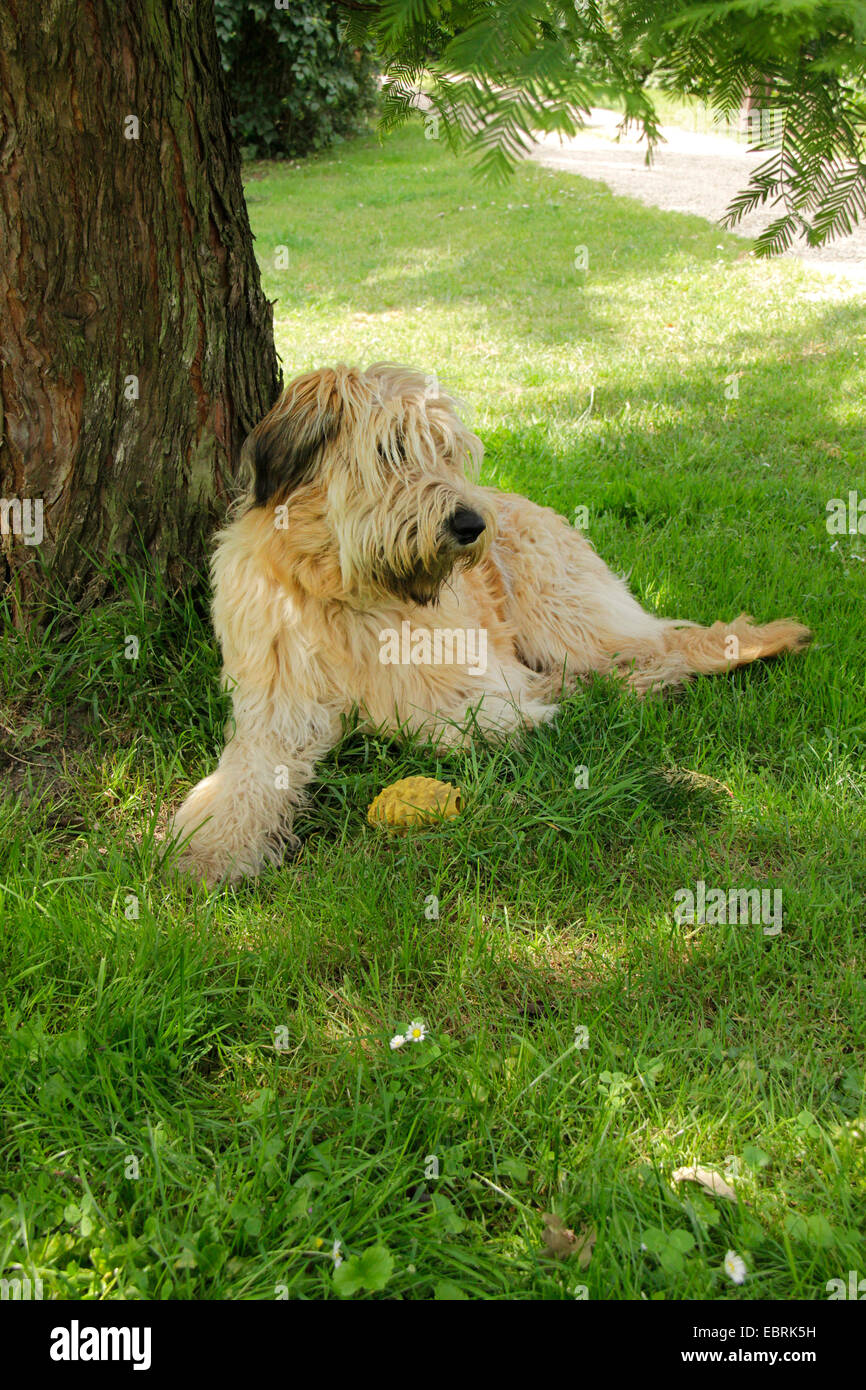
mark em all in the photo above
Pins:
pixel 466 525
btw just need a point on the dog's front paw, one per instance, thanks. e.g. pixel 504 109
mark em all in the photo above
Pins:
pixel 214 864
pixel 280 850
pixel 212 870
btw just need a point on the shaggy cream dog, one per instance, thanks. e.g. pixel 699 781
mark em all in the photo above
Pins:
pixel 367 551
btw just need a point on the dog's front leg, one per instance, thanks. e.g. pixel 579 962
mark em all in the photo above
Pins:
pixel 506 702
pixel 240 817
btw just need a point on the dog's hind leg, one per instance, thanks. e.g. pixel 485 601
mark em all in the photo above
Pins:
pixel 607 631
pixel 573 616
pixel 239 818
pixel 689 649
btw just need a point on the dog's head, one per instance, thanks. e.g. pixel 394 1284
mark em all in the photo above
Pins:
pixel 369 478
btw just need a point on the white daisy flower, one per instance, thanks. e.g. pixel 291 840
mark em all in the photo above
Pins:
pixel 735 1267
pixel 335 1254
pixel 416 1032
pixel 397 1041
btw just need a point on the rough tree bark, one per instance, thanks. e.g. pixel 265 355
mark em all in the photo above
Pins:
pixel 136 345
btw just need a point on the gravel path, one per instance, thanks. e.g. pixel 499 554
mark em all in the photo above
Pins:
pixel 690 173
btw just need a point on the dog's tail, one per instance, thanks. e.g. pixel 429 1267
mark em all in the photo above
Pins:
pixel 689 649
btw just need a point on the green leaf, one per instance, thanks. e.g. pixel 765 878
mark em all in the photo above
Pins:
pixel 445 1216
pixel 514 1168
pixel 681 1240
pixel 671 1260
pixel 755 1157
pixel 370 1271
pixel 446 1291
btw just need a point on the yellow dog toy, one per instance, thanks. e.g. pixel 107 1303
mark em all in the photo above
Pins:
pixel 415 801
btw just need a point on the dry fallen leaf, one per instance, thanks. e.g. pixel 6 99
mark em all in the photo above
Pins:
pixel 558 1238
pixel 584 1244
pixel 562 1242
pixel 710 1181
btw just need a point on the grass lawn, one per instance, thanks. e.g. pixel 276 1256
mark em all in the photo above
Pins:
pixel 198 1093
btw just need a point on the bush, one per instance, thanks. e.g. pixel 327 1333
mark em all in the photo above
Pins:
pixel 296 86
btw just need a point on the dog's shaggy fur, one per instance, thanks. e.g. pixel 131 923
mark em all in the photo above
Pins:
pixel 365 515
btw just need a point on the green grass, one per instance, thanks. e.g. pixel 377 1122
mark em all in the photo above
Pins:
pixel 156 1143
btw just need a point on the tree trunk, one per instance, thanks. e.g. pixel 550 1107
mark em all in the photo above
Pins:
pixel 136 345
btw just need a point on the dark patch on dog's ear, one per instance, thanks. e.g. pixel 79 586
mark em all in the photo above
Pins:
pixel 284 448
